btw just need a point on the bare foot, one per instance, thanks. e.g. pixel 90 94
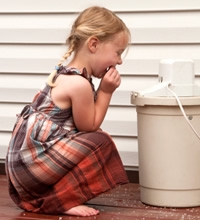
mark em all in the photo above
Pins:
pixel 82 210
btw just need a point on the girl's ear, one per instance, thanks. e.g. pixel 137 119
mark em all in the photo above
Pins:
pixel 93 43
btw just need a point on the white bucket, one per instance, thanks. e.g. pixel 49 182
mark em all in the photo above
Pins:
pixel 169 151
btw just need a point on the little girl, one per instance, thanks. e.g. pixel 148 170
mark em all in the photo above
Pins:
pixel 58 157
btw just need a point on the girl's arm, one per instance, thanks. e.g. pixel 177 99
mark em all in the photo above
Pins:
pixel 88 115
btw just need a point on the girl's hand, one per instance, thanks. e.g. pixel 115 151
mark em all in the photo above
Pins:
pixel 110 81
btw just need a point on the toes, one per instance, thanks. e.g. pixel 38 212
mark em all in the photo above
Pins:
pixel 90 211
pixel 82 211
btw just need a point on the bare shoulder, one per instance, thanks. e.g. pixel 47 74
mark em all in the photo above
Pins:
pixel 70 85
pixel 76 83
pixel 68 88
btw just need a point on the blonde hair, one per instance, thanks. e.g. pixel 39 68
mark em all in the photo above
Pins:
pixel 94 21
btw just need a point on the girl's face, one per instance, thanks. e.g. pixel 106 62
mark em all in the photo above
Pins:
pixel 109 53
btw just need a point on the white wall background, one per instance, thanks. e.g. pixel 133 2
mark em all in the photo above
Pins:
pixel 32 37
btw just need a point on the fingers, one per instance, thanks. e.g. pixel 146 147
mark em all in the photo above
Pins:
pixel 111 80
pixel 113 76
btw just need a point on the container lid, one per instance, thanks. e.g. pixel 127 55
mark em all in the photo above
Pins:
pixel 175 81
pixel 163 101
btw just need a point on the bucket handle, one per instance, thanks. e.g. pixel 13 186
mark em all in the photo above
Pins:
pixel 182 110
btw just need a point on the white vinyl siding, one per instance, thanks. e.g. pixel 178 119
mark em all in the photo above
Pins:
pixel 32 40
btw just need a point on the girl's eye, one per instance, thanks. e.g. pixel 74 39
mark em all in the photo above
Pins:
pixel 119 53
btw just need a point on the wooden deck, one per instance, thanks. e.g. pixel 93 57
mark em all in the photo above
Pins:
pixel 122 203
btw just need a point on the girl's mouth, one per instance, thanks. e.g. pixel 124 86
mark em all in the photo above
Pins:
pixel 107 69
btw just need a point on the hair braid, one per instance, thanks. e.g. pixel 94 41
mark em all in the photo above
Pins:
pixel 72 43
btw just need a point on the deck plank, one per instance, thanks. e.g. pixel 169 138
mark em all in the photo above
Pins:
pixel 121 203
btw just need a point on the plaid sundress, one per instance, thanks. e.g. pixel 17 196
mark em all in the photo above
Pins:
pixel 51 166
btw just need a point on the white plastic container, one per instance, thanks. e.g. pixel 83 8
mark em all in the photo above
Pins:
pixel 168 149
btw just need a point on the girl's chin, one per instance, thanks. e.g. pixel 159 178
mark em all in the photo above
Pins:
pixel 101 75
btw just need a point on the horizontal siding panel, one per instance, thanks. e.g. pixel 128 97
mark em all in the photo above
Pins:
pixel 135 52
pixel 165 19
pixel 149 67
pixel 173 51
pixel 129 159
pixel 128 144
pixel 114 128
pixel 40 66
pixel 168 19
pixel 16 95
pixel 47 6
pixel 32 51
pixel 120 128
pixel 23 82
pixel 33 36
pixel 28 65
pixel 145 35
pixel 45 66
pixel 10 109
pixel 7 123
pixel 166 35
pixel 120 98
pixel 121 113
pixel 43 21
pixel 166 27
pixel 25 95
pixel 114 113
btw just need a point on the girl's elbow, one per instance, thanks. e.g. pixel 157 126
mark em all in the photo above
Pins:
pixel 88 128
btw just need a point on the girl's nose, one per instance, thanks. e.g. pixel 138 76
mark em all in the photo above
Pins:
pixel 119 62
